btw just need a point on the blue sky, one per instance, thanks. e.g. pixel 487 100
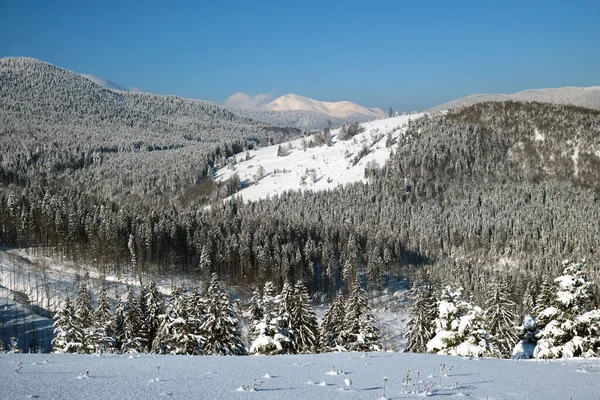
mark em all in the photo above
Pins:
pixel 405 54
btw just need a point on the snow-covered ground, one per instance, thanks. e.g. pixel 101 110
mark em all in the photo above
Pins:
pixel 324 376
pixel 333 165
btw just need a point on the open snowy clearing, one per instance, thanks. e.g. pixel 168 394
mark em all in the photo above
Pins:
pixel 326 376
pixel 333 165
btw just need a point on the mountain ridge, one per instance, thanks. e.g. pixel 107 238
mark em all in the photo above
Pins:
pixel 588 97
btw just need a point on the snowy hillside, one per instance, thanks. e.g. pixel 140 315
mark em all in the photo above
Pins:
pixel 315 168
pixel 326 376
pixel 588 97
pixel 340 109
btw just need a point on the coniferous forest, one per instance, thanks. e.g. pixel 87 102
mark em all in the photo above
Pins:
pixel 477 208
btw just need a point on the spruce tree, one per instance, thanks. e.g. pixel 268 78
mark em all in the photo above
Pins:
pixel 304 322
pixel 332 324
pixel 102 334
pixel 573 327
pixel 154 308
pixel 220 333
pixel 420 325
pixel 83 315
pixel 500 317
pixel 527 332
pixel 460 328
pixel 361 332
pixel 66 330
pixel 118 324
pixel 133 324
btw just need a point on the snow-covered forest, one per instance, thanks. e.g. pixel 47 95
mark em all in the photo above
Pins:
pixel 473 208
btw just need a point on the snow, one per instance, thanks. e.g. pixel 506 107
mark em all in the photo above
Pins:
pixel 332 165
pixel 61 376
pixel 340 109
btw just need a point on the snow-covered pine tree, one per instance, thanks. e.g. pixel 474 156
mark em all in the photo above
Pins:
pixel 182 326
pixel 118 324
pixel 268 338
pixel 220 333
pixel 102 335
pixel 332 324
pixel 132 324
pixel 304 322
pixel 66 330
pixel 154 308
pixel 361 332
pixel 204 263
pixel 528 333
pixel 286 318
pixel 544 300
pixel 573 327
pixel 500 317
pixel 420 325
pixel 83 315
pixel 256 314
pixel 459 328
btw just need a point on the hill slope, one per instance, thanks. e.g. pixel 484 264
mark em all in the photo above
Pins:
pixel 120 146
pixel 588 97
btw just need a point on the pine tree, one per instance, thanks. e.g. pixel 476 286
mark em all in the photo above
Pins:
pixel 118 324
pixel 420 325
pixel 132 324
pixel 304 322
pixel 286 317
pixel 361 332
pixel 573 327
pixel 220 334
pixel 527 332
pixel 544 300
pixel 332 324
pixel 102 324
pixel 256 315
pixel 83 315
pixel 66 330
pixel 268 340
pixel 154 308
pixel 500 318
pixel 460 328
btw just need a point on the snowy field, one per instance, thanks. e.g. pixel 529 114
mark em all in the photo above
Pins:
pixel 326 376
pixel 333 165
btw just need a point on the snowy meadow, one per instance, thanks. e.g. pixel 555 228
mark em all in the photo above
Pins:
pixel 324 376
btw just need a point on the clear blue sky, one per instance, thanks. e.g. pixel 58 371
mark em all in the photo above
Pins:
pixel 404 54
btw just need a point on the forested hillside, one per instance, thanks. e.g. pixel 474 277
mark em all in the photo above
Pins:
pixel 59 130
pixel 493 189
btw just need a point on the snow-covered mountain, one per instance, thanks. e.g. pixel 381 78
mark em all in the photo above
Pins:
pixel 106 84
pixel 588 97
pixel 339 109
pixel 318 167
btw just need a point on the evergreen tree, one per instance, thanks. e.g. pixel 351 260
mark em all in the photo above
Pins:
pixel 154 308
pixel 256 315
pixel 83 315
pixel 500 318
pixel 66 330
pixel 304 322
pixel 361 332
pixel 102 323
pixel 420 325
pixel 220 334
pixel 460 328
pixel 118 324
pixel 267 337
pixel 133 324
pixel 573 327
pixel 544 300
pixel 332 324
pixel 528 333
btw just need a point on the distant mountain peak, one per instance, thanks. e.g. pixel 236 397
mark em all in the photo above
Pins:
pixel 339 109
